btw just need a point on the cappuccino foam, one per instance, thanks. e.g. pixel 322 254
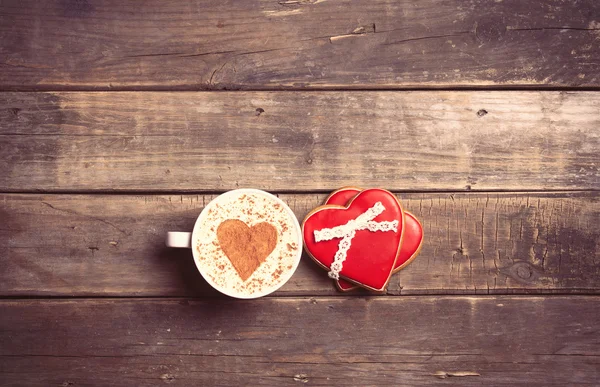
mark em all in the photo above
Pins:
pixel 252 209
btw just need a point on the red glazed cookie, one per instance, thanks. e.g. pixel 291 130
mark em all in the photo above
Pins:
pixel 411 242
pixel 372 224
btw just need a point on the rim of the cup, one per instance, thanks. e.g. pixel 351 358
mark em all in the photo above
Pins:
pixel 285 278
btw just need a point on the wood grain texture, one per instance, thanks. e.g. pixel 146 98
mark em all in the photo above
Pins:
pixel 509 341
pixel 262 44
pixel 307 141
pixel 98 245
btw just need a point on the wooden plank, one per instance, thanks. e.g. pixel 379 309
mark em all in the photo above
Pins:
pixel 186 141
pixel 98 245
pixel 509 341
pixel 261 44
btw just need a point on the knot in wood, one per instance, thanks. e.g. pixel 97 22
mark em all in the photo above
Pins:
pixel 524 272
pixel 490 30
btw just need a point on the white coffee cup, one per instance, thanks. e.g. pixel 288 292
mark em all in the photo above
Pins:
pixel 251 206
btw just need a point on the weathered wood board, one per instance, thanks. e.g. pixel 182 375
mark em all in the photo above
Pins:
pixel 306 141
pixel 383 341
pixel 270 44
pixel 113 245
pixel 109 111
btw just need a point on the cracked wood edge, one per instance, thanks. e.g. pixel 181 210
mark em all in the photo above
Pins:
pixel 295 45
pixel 301 141
pixel 505 340
pixel 113 245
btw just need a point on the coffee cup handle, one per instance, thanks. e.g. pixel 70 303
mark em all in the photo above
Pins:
pixel 179 239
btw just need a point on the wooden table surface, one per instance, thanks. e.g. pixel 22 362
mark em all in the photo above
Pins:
pixel 119 121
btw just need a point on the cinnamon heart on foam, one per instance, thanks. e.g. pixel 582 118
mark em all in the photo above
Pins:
pixel 372 255
pixel 246 247
pixel 412 239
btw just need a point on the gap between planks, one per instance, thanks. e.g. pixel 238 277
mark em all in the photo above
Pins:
pixel 315 89
pixel 130 192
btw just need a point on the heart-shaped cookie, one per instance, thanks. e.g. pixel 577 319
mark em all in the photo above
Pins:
pixel 412 239
pixel 367 233
pixel 246 247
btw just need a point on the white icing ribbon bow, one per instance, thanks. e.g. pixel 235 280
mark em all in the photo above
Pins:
pixel 347 232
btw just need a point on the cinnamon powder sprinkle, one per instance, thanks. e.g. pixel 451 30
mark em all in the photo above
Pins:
pixel 277 273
